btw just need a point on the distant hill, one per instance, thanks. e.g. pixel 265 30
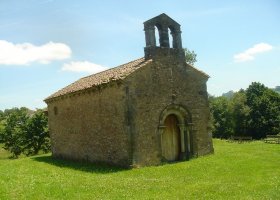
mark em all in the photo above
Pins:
pixel 277 89
pixel 228 94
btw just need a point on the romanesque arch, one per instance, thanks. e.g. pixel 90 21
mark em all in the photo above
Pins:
pixel 175 133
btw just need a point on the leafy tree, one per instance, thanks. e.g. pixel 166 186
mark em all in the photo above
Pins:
pixel 14 131
pixel 1 115
pixel 2 128
pixel 190 56
pixel 264 110
pixel 25 132
pixel 254 112
pixel 220 109
pixel 4 114
pixel 37 134
pixel 240 113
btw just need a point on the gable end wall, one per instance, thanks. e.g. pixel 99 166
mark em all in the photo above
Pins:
pixel 152 89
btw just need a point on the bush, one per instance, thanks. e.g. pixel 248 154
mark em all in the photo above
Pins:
pixel 25 132
pixel 37 134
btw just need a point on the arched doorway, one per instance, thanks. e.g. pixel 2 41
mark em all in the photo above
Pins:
pixel 171 139
pixel 175 136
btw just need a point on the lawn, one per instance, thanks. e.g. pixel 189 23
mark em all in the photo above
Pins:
pixel 235 171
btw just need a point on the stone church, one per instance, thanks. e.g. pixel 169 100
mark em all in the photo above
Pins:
pixel 148 111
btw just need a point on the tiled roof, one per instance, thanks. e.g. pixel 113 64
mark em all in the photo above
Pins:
pixel 113 74
pixel 200 71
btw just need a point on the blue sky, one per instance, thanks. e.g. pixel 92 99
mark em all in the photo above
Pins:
pixel 48 44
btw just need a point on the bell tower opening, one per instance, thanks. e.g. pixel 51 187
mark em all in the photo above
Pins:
pixel 171 41
pixel 169 34
pixel 156 37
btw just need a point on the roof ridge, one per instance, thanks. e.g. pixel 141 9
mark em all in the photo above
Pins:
pixel 103 77
pixel 198 70
pixel 112 68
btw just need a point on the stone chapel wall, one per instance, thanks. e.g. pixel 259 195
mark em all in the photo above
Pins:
pixel 154 87
pixel 90 126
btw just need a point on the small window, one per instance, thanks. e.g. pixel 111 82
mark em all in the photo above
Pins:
pixel 55 110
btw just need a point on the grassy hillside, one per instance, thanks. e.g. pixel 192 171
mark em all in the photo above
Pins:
pixel 235 171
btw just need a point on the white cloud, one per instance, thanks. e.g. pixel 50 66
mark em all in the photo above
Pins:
pixel 83 66
pixel 250 53
pixel 26 53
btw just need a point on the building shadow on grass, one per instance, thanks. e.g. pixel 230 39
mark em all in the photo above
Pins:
pixel 100 168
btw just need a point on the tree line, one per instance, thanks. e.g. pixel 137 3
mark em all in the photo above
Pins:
pixel 252 112
pixel 23 131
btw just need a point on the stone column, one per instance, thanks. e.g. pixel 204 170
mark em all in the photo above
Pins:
pixel 150 36
pixel 183 153
pixel 188 136
pixel 164 37
pixel 182 137
pixel 188 141
pixel 177 40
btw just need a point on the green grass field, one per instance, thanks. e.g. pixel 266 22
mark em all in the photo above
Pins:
pixel 235 171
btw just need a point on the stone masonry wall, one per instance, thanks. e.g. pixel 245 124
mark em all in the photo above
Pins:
pixel 91 126
pixel 157 85
pixel 118 123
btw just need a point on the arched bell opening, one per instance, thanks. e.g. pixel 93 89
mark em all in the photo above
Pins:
pixel 168 37
pixel 157 43
pixel 171 39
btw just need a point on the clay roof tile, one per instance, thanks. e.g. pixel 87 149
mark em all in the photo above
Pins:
pixel 104 77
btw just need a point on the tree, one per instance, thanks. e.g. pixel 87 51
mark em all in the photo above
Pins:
pixel 220 109
pixel 264 113
pixel 14 131
pixel 25 132
pixel 37 134
pixel 254 112
pixel 240 113
pixel 1 115
pixel 190 56
pixel 2 127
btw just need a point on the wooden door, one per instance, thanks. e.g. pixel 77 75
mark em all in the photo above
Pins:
pixel 171 139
